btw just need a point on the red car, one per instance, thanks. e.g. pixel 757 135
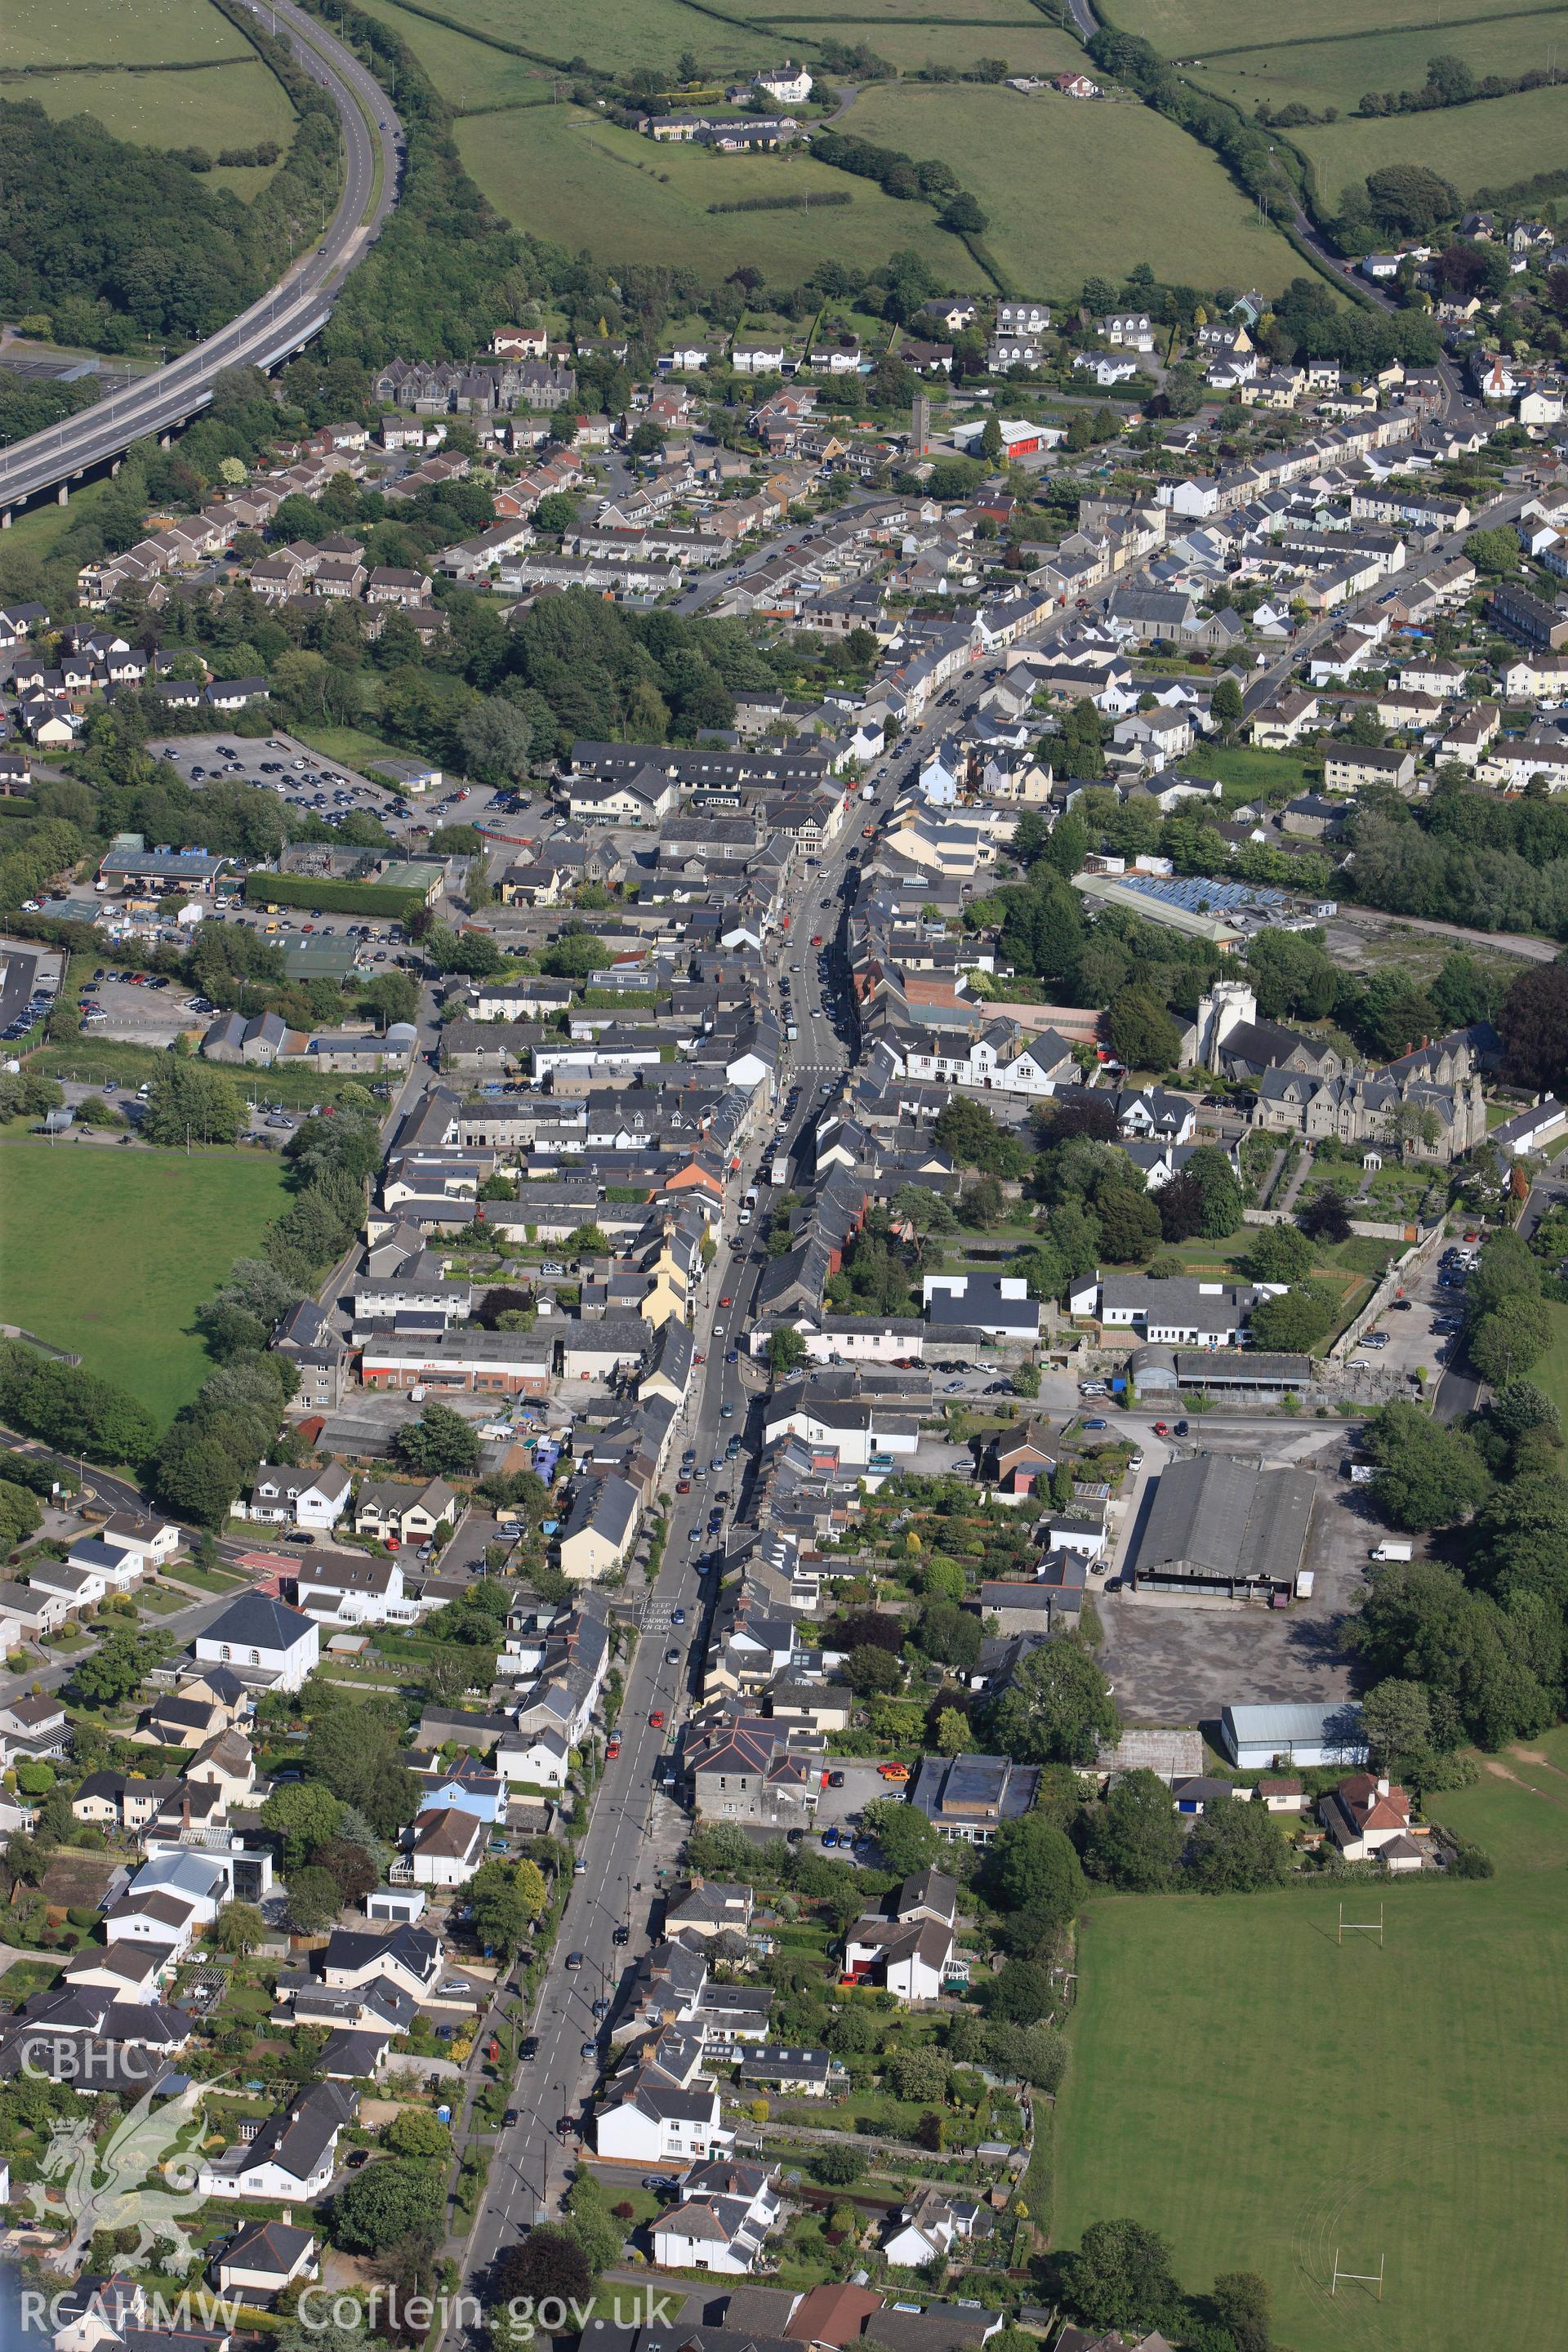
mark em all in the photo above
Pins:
pixel 656 1718
pixel 683 1486
pixel 1162 1429
pixel 817 938
pixel 614 1745
pixel 725 1300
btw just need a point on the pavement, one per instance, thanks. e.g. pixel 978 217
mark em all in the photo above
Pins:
pixel 284 319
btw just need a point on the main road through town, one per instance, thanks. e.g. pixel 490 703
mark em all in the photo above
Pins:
pixel 282 321
pixel 529 2163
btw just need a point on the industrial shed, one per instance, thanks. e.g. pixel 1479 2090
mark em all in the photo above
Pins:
pixel 1244 1372
pixel 1221 1528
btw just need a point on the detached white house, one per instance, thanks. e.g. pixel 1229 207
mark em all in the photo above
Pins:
pixel 722 2221
pixel 279 1643
pixel 300 1498
pixel 293 2156
pixel 932 2225
pixel 661 2121
pixel 448 1846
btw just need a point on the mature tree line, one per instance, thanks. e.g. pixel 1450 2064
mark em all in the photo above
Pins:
pixel 1476 1650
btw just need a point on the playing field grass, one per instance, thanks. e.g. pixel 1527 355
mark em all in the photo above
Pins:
pixel 1490 145
pixel 564 174
pixel 110 1253
pixel 1073 189
pixel 1551 1372
pixel 1267 2097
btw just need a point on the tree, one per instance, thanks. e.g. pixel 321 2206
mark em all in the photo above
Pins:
pixel 356 1752
pixel 1226 704
pixel 1429 1474
pixel 1396 1717
pixel 837 2168
pixel 868 1669
pixel 921 2073
pixel 303 1815
pixel 1533 1023
pixel 1213 1173
pixel 1023 1994
pixel 786 1352
pixel 1237 1848
pixel 1135 1838
pixel 1037 2054
pixel 1279 1254
pixel 1325 1216
pixel 1130 1226
pixel 189 1102
pixel 1031 1865
pixel 313 1900
pixel 238 1929
pixel 114 1671
pixel 1503 1345
pixel 1141 1033
pixel 1057 1708
pixel 497 739
pixel 1244 2307
pixel 414 2131
pixel 592 2224
pixel 1295 1320
pixel 503 1915
pixel 1122 2277
pixel 906 1840
pixel 1494 552
pixel 387 2203
pixel 1408 200
pixel 439 1444
pixel 948 1634
pixel 349 1866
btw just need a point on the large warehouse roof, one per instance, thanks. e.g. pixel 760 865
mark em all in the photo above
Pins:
pixel 1222 1514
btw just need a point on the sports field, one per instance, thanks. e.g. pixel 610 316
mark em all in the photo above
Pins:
pixel 110 1253
pixel 1074 188
pixel 565 174
pixel 1267 2097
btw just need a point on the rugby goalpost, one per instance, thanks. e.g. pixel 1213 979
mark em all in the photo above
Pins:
pixel 1357 2278
pixel 1360 1927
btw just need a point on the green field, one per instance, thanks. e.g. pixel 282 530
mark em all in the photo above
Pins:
pixel 1267 2097
pixel 1200 29
pixel 1552 1373
pixel 1490 145
pixel 110 1253
pixel 1336 71
pixel 469 73
pixel 1029 44
pixel 231 102
pixel 608 34
pixel 1073 189
pixel 116 33
pixel 231 106
pixel 564 175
